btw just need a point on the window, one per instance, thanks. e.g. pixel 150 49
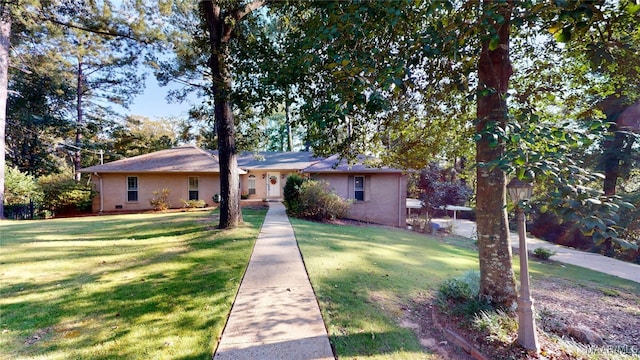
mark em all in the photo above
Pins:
pixel 132 188
pixel 193 188
pixel 252 184
pixel 358 186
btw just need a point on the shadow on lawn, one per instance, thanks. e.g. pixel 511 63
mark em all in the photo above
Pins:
pixel 364 279
pixel 133 309
pixel 99 228
pixel 77 250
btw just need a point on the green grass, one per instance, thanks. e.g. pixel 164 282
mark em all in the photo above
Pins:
pixel 364 276
pixel 147 286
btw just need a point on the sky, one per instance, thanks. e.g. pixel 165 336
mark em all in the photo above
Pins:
pixel 153 103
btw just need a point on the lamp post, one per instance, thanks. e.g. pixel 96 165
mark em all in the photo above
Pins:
pixel 527 335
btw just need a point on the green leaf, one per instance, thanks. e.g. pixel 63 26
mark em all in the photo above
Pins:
pixel 632 8
pixel 494 43
pixel 598 238
pixel 594 201
pixel 625 244
pixel 564 35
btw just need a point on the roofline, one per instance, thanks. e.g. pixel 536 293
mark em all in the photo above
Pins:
pixel 356 171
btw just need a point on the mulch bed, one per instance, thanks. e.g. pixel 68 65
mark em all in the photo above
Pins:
pixel 560 305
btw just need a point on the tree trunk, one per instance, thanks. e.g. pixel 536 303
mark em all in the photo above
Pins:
pixel 77 159
pixel 5 32
pixel 497 282
pixel 230 212
pixel 287 112
pixel 612 156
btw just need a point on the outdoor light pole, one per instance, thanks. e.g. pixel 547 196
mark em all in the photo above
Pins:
pixel 527 335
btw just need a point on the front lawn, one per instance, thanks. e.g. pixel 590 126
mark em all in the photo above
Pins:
pixel 146 286
pixel 370 280
pixel 365 276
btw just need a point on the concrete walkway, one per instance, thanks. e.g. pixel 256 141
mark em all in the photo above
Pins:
pixel 563 254
pixel 275 314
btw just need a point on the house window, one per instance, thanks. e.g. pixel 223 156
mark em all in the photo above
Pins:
pixel 193 188
pixel 358 187
pixel 132 188
pixel 252 184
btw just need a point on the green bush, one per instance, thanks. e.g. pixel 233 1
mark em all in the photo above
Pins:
pixel 497 325
pixel 319 202
pixel 464 287
pixel 542 253
pixel 62 195
pixel 291 194
pixel 193 204
pixel 315 200
pixel 460 296
pixel 160 200
pixel 20 188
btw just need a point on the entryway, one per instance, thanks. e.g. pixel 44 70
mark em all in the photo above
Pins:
pixel 273 184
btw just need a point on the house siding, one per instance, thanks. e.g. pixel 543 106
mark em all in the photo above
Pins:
pixel 114 189
pixel 385 196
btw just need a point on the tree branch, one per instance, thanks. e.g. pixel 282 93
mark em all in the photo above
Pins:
pixel 96 31
pixel 238 14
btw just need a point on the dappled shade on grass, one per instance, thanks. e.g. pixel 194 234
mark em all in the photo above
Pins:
pixel 364 276
pixel 368 278
pixel 126 286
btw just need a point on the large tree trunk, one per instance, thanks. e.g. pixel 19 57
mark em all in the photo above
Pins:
pixel 497 282
pixel 5 32
pixel 612 156
pixel 77 158
pixel 230 212
pixel 617 148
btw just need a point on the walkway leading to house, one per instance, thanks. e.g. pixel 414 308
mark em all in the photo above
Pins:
pixel 275 314
pixel 563 254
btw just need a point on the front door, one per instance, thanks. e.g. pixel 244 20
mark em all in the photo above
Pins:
pixel 273 184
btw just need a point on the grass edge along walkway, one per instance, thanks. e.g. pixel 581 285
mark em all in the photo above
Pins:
pixel 365 276
pixel 275 314
pixel 119 286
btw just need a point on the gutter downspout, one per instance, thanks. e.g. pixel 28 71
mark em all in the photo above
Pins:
pixel 101 193
pixel 400 201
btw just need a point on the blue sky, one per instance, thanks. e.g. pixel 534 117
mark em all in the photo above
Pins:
pixel 153 103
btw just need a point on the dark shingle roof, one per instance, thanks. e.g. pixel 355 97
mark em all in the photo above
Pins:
pixel 181 159
pixel 276 160
pixel 194 159
pixel 333 164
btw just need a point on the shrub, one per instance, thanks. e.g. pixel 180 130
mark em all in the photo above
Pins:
pixel 160 200
pixel 499 326
pixel 460 296
pixel 542 253
pixel 63 195
pixel 193 204
pixel 464 287
pixel 315 200
pixel 19 187
pixel 436 188
pixel 291 194
pixel 319 202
